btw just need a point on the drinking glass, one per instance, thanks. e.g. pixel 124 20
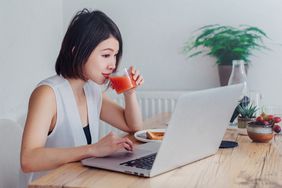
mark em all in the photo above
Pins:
pixel 122 81
pixel 255 100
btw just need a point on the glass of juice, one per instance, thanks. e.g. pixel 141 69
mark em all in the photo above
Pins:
pixel 122 81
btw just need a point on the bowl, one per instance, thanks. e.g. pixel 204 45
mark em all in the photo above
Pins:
pixel 260 133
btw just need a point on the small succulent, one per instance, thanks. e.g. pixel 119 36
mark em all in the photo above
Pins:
pixel 248 111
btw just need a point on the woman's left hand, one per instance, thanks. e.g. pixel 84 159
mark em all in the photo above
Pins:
pixel 137 77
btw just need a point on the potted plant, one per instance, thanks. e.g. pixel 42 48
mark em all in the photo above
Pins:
pixel 226 43
pixel 261 129
pixel 246 115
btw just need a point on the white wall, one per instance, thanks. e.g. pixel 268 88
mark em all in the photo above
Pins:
pixel 155 31
pixel 30 37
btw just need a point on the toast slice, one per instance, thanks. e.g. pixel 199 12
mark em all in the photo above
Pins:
pixel 155 135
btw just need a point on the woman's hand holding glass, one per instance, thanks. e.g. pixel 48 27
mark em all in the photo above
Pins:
pixel 136 77
pixel 125 81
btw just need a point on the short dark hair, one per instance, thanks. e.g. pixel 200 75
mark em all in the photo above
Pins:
pixel 86 30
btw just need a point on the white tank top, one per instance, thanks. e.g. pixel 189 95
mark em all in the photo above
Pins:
pixel 68 130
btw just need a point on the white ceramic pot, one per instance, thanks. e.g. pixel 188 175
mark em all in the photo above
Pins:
pixel 260 133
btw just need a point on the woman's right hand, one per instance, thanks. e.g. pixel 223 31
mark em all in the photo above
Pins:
pixel 109 145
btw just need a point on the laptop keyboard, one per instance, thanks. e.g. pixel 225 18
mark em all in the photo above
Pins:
pixel 143 162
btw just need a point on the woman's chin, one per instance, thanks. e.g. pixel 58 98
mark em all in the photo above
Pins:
pixel 102 82
pixel 106 81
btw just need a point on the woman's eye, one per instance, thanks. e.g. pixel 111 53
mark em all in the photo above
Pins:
pixel 106 55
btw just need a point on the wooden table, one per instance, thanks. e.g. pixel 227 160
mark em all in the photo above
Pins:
pixel 248 165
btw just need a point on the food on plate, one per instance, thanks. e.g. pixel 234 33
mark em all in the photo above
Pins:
pixel 155 135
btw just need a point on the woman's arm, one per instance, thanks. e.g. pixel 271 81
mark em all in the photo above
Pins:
pixel 128 119
pixel 40 120
pixel 132 111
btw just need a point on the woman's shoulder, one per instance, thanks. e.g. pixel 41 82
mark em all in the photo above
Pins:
pixel 46 88
pixel 53 81
pixel 43 94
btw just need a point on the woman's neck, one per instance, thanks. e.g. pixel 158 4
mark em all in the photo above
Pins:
pixel 77 86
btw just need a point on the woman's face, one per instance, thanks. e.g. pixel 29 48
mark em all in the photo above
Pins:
pixel 102 61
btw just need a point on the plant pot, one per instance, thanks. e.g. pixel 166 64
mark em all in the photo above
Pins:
pixel 224 72
pixel 260 133
pixel 243 122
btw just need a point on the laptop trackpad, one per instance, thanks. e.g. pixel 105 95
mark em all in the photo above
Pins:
pixel 122 156
pixel 127 155
pixel 139 151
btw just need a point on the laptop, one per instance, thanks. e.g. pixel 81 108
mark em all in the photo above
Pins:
pixel 194 132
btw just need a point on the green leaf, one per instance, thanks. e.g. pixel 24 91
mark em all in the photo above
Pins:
pixel 226 43
pixel 247 111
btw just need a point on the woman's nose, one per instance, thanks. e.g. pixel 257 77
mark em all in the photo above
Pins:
pixel 112 65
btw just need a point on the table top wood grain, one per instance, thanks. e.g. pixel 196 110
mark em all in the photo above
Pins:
pixel 248 165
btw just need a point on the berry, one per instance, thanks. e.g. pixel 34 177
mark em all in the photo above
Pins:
pixel 277 119
pixel 265 122
pixel 259 119
pixel 277 128
pixel 270 117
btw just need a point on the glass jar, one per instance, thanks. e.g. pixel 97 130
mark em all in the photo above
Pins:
pixel 238 74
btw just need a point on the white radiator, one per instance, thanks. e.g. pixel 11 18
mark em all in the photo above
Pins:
pixel 151 103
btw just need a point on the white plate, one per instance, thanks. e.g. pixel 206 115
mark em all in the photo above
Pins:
pixel 141 135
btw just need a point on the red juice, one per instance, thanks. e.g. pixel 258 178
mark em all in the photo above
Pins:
pixel 122 83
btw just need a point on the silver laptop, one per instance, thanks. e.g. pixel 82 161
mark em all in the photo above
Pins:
pixel 195 131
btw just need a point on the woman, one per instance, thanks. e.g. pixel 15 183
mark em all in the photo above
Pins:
pixel 64 110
